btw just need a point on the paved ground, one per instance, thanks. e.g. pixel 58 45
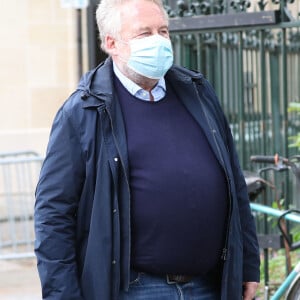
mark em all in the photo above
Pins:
pixel 19 280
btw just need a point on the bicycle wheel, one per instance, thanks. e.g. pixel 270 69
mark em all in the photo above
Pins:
pixel 293 292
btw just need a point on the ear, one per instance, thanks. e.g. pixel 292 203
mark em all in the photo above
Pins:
pixel 110 43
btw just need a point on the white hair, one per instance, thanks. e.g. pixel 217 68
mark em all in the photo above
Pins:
pixel 108 17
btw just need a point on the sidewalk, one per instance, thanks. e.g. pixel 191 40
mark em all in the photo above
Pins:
pixel 19 280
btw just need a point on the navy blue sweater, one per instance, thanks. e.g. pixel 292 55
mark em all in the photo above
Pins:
pixel 179 191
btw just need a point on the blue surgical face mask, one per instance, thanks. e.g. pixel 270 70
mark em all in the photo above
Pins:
pixel 151 56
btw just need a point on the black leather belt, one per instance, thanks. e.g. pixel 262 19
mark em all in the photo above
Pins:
pixel 179 278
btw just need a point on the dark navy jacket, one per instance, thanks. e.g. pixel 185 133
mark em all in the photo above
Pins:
pixel 82 211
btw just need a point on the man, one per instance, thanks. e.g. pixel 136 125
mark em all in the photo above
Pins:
pixel 141 195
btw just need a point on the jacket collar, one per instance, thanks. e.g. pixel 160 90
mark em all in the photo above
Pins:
pixel 182 75
pixel 97 87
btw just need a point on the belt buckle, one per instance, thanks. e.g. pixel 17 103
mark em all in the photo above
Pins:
pixel 178 278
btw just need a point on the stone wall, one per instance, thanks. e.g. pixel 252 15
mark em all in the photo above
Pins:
pixel 38 62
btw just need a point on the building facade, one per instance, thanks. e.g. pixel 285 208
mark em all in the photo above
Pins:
pixel 38 65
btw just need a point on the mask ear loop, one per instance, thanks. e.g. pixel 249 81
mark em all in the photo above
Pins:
pixel 151 97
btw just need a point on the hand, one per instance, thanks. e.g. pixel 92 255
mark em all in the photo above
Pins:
pixel 249 290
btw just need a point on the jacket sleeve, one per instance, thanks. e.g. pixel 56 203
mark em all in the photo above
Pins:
pixel 251 259
pixel 57 194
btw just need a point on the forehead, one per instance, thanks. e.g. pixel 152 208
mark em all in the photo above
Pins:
pixel 140 14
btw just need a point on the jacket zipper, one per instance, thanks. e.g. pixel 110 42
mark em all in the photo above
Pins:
pixel 213 131
pixel 126 178
pixel 125 174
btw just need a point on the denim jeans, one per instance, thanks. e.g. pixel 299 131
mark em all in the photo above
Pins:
pixel 148 287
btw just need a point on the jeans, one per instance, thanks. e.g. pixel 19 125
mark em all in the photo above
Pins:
pixel 149 287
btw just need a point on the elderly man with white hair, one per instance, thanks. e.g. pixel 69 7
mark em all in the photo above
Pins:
pixel 141 195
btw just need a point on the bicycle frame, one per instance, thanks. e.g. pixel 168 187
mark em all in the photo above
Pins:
pixel 286 283
pixel 288 216
pixel 256 184
pixel 274 212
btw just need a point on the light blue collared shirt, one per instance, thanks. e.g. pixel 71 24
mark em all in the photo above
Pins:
pixel 158 92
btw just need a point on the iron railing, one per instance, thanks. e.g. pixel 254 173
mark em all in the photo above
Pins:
pixel 18 177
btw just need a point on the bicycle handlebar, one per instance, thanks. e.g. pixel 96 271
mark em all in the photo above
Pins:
pixel 279 163
pixel 269 159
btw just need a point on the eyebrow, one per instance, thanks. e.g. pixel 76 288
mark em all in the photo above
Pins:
pixel 149 28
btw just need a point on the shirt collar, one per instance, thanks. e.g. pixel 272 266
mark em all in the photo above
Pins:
pixel 158 92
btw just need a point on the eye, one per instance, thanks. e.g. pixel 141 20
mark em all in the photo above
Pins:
pixel 145 33
pixel 164 32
